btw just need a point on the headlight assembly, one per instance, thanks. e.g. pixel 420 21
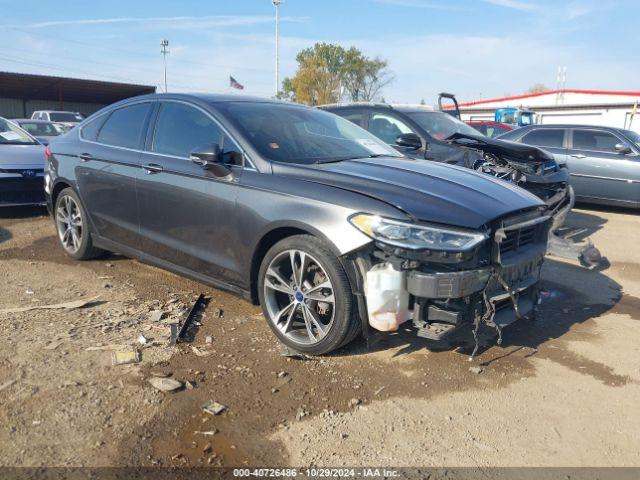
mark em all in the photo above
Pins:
pixel 416 237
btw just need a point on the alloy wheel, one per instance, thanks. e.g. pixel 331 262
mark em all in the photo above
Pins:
pixel 69 223
pixel 299 297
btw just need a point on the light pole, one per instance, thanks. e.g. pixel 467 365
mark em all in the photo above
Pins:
pixel 277 3
pixel 164 44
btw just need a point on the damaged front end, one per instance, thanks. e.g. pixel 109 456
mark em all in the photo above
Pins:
pixel 494 283
pixel 536 171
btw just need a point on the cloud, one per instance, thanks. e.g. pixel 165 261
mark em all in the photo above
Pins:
pixel 419 4
pixel 172 22
pixel 514 4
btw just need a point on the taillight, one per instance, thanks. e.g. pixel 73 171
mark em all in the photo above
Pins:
pixel 47 152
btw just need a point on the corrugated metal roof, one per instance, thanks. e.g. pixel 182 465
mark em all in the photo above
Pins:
pixel 44 87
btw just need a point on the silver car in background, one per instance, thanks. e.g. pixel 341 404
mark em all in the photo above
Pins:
pixel 603 162
pixel 21 167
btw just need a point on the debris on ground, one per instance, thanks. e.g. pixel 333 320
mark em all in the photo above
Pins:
pixel 200 353
pixel 208 433
pixel 379 390
pixel 214 408
pixel 291 353
pixel 196 308
pixel 56 306
pixel 189 385
pixel 208 340
pixel 165 384
pixel 7 384
pixel 124 357
pixel 142 340
pixel 354 402
pixel 155 315
pixel 476 369
pixel 218 313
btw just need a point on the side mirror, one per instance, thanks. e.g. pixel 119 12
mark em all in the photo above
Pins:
pixel 622 148
pixel 409 140
pixel 209 157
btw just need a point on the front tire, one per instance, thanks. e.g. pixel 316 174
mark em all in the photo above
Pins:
pixel 306 296
pixel 72 226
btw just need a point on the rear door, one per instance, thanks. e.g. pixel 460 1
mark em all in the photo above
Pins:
pixel 187 215
pixel 110 150
pixel 598 171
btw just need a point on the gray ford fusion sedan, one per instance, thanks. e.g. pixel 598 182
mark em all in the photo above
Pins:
pixel 332 231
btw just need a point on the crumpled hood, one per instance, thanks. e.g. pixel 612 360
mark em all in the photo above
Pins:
pixel 426 191
pixel 21 156
pixel 503 148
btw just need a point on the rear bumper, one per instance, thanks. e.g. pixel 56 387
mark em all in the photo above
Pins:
pixel 16 191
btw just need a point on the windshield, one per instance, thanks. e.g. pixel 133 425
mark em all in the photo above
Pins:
pixel 633 136
pixel 11 134
pixel 441 125
pixel 65 117
pixel 295 134
pixel 40 129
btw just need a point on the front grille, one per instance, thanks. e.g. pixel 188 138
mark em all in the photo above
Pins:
pixel 519 238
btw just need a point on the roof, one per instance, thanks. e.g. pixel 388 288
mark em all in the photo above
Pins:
pixel 394 106
pixel 571 125
pixel 548 92
pixel 45 87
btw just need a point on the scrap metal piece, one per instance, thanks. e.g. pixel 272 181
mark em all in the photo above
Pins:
pixel 584 252
pixel 195 309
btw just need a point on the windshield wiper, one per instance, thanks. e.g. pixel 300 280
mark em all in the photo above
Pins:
pixel 357 157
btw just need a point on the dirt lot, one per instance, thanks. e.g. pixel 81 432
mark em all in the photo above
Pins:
pixel 561 391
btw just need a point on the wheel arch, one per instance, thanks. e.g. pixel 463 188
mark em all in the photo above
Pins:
pixel 272 236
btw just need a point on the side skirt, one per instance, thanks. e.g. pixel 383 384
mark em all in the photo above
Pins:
pixel 112 246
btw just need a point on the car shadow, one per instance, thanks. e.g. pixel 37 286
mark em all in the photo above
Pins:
pixel 570 295
pixel 581 225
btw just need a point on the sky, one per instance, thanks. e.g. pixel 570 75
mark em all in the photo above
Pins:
pixel 473 48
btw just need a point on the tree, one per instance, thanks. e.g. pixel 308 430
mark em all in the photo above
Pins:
pixel 537 88
pixel 327 73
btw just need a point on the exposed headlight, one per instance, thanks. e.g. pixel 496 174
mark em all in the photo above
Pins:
pixel 415 237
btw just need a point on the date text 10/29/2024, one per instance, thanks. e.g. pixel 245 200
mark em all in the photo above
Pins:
pixel 316 472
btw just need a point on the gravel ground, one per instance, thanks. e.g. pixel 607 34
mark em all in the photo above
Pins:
pixel 560 391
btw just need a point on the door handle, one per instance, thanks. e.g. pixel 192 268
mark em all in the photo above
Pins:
pixel 579 155
pixel 152 168
pixel 85 157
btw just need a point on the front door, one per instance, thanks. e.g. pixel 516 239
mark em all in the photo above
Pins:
pixel 186 213
pixel 599 171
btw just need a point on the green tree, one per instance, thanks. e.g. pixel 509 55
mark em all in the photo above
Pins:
pixel 327 73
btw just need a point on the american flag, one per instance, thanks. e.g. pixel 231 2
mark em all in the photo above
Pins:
pixel 233 83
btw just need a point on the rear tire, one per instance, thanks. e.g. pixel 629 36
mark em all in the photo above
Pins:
pixel 306 296
pixel 72 226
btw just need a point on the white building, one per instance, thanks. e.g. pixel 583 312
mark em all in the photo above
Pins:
pixel 585 107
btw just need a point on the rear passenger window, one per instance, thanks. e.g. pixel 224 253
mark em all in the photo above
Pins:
pixel 181 128
pixel 124 126
pixel 91 129
pixel 553 137
pixel 594 140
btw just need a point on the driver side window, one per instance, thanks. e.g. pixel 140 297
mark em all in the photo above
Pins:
pixel 387 127
pixel 180 128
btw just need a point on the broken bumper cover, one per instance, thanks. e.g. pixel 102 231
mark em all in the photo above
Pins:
pixel 509 290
